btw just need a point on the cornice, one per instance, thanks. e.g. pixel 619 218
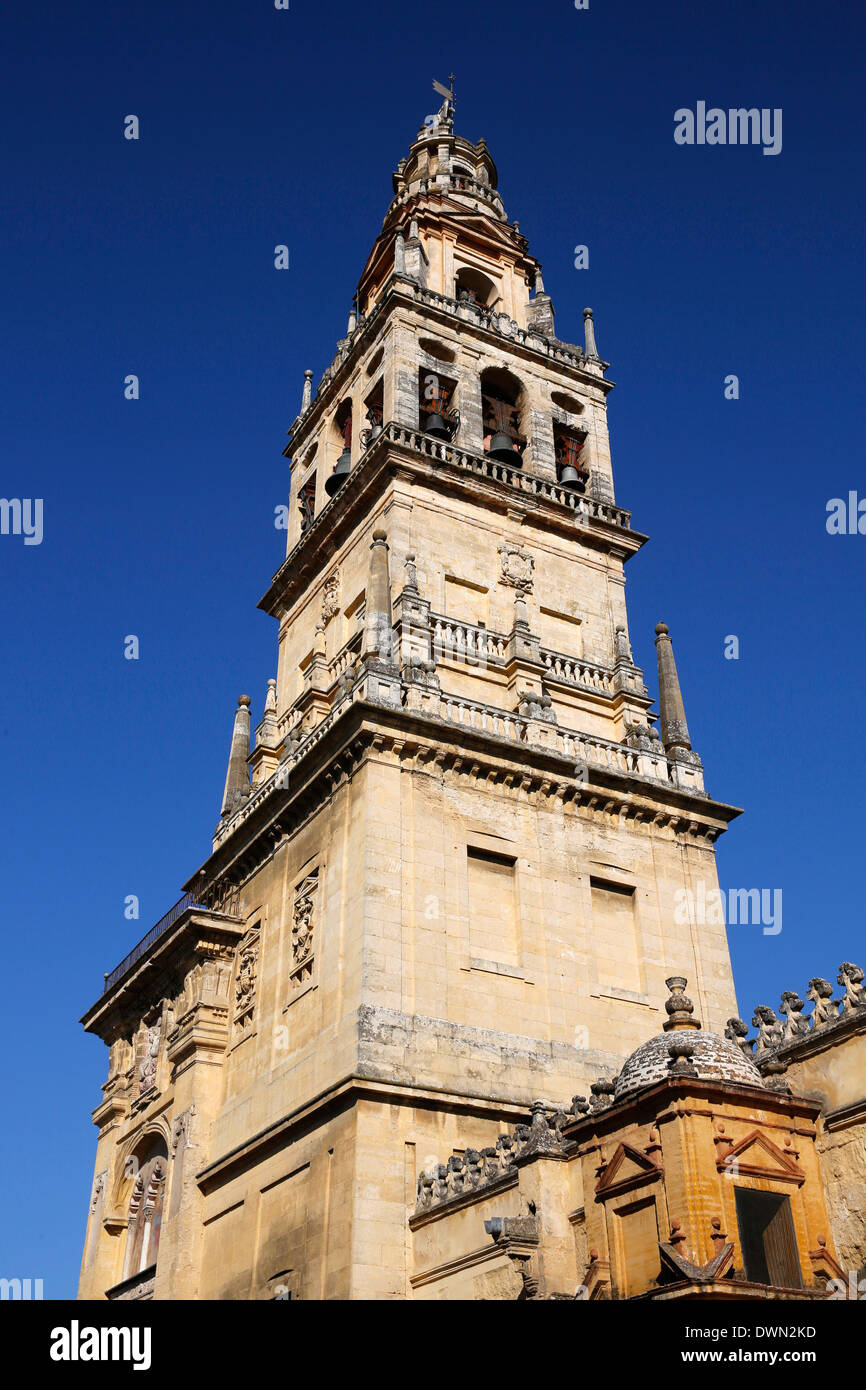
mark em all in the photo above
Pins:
pixel 429 744
pixel 342 1095
pixel 422 458
pixel 197 933
pixel 653 1106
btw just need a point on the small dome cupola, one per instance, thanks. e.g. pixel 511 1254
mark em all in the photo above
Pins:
pixel 684 1049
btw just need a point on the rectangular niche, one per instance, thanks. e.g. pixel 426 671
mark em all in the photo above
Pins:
pixel 493 931
pixel 465 601
pixel 615 935
pixel 636 1237
pixel 560 632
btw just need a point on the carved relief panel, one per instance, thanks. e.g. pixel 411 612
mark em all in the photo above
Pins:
pixel 246 976
pixel 304 930
pixel 149 1058
pixel 517 568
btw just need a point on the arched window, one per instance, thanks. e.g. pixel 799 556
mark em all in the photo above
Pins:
pixel 146 1208
pixel 340 430
pixel 475 288
pixel 502 407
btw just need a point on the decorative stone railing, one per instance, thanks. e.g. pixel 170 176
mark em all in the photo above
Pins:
pixel 472 714
pixel 278 779
pixel 584 750
pixel 362 331
pixel 467 642
pixel 520 479
pixel 774 1033
pixel 504 326
pixel 459 183
pixel 345 657
pixel 576 672
pixel 475 1169
pixel 288 723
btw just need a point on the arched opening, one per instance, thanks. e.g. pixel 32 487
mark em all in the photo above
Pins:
pixel 374 413
pixel 569 403
pixel 434 348
pixel 572 469
pixel 471 287
pixel 436 411
pixel 149 1162
pixel 502 408
pixel 340 435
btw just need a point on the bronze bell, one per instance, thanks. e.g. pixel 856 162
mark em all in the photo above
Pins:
pixel 570 477
pixel 375 425
pixel 436 426
pixel 502 449
pixel 340 473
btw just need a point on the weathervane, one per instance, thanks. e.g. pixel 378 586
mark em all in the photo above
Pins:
pixel 446 91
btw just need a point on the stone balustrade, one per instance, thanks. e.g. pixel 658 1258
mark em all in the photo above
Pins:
pixel 522 480
pixel 503 325
pixel 466 642
pixel 774 1033
pixel 574 671
pixel 345 657
pixel 582 750
pixel 474 1169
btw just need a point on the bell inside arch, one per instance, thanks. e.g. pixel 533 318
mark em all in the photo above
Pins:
pixel 340 473
pixel 502 448
pixel 570 477
pixel 571 472
pixel 436 426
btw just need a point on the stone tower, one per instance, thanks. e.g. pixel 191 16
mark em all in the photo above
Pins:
pixel 449 875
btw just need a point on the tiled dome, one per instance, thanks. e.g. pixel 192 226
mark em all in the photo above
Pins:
pixel 713 1058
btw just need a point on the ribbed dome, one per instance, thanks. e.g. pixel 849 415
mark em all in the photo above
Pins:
pixel 712 1057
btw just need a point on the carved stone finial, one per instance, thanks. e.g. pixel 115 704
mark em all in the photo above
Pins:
pixel 411 584
pixel 681 1050
pixel 399 253
pixel 589 335
pixel 623 648
pixel 824 1010
pixel 736 1031
pixel 850 977
pixel 378 639
pixel 602 1093
pixel 675 730
pixel 678 1007
pixel 237 786
pixel 717 1235
pixel 521 613
pixel 271 698
pixel 307 395
pixel 769 1029
pixel 792 1007
pixel 677 1235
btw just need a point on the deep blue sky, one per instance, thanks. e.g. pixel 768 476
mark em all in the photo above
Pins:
pixel 261 127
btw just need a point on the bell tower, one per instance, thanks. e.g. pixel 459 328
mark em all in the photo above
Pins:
pixel 449 876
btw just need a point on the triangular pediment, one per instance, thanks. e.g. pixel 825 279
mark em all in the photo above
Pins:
pixel 757 1156
pixel 627 1168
